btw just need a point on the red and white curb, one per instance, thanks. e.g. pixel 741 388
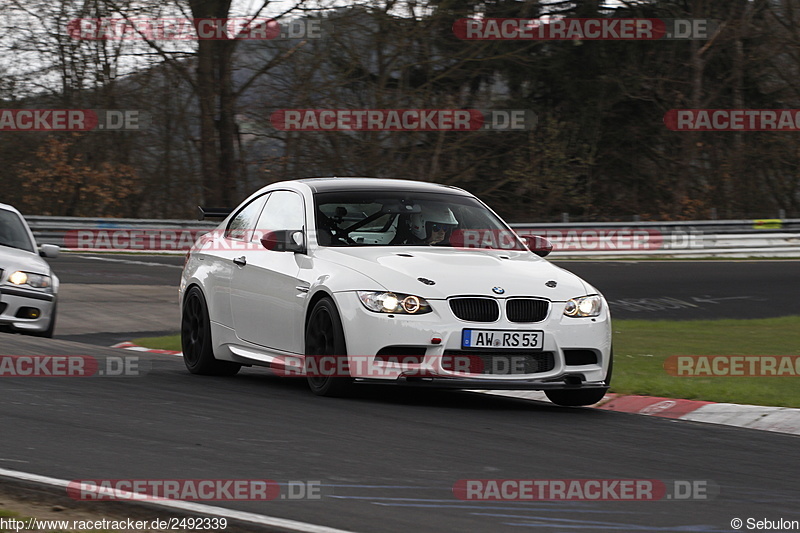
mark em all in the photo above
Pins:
pixel 777 419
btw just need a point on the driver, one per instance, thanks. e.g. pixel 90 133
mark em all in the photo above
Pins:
pixel 432 225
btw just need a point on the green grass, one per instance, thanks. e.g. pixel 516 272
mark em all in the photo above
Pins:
pixel 168 342
pixel 641 346
pixel 5 513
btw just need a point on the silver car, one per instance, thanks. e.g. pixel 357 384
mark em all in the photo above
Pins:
pixel 28 287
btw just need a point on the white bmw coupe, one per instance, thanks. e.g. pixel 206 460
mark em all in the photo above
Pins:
pixel 360 280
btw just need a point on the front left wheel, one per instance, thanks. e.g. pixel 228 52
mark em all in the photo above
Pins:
pixel 198 352
pixel 577 398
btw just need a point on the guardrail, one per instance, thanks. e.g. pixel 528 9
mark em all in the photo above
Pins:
pixel 120 234
pixel 713 238
pixel 704 226
pixel 690 239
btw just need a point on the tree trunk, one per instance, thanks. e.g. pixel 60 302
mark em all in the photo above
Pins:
pixel 212 59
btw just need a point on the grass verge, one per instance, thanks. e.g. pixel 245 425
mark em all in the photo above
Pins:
pixel 641 347
pixel 169 342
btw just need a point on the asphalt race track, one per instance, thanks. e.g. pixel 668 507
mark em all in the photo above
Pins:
pixel 689 290
pixel 128 296
pixel 387 460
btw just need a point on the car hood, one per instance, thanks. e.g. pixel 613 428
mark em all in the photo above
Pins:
pixel 13 259
pixel 456 272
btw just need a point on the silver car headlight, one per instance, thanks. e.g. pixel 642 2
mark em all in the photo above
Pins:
pixel 584 306
pixel 394 302
pixel 38 281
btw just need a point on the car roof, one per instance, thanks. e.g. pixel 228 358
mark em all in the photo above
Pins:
pixel 335 183
pixel 9 208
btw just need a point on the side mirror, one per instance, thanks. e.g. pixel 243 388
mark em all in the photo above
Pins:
pixel 284 241
pixel 538 245
pixel 49 250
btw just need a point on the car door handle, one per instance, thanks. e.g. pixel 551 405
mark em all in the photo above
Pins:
pixel 241 261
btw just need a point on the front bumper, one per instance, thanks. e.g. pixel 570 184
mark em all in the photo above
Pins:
pixel 482 384
pixel 368 333
pixel 16 303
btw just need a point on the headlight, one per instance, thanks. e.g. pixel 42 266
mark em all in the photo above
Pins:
pixel 27 278
pixel 392 302
pixel 584 306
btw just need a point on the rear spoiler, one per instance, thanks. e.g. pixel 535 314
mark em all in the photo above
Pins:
pixel 213 212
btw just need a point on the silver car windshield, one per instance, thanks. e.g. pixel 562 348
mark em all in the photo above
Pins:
pixel 399 218
pixel 13 233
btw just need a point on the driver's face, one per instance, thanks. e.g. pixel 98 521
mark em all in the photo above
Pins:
pixel 436 236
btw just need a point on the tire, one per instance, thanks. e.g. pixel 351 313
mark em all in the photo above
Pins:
pixel 324 336
pixel 198 352
pixel 576 398
pixel 610 369
pixel 51 327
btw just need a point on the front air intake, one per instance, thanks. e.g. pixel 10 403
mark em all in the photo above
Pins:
pixel 575 357
pixel 507 363
pixel 527 309
pixel 475 309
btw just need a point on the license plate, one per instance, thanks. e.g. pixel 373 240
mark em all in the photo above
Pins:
pixel 499 338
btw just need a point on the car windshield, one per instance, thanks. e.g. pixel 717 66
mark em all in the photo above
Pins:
pixel 13 232
pixel 402 218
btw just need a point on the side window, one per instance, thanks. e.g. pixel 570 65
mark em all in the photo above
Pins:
pixel 241 226
pixel 284 211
